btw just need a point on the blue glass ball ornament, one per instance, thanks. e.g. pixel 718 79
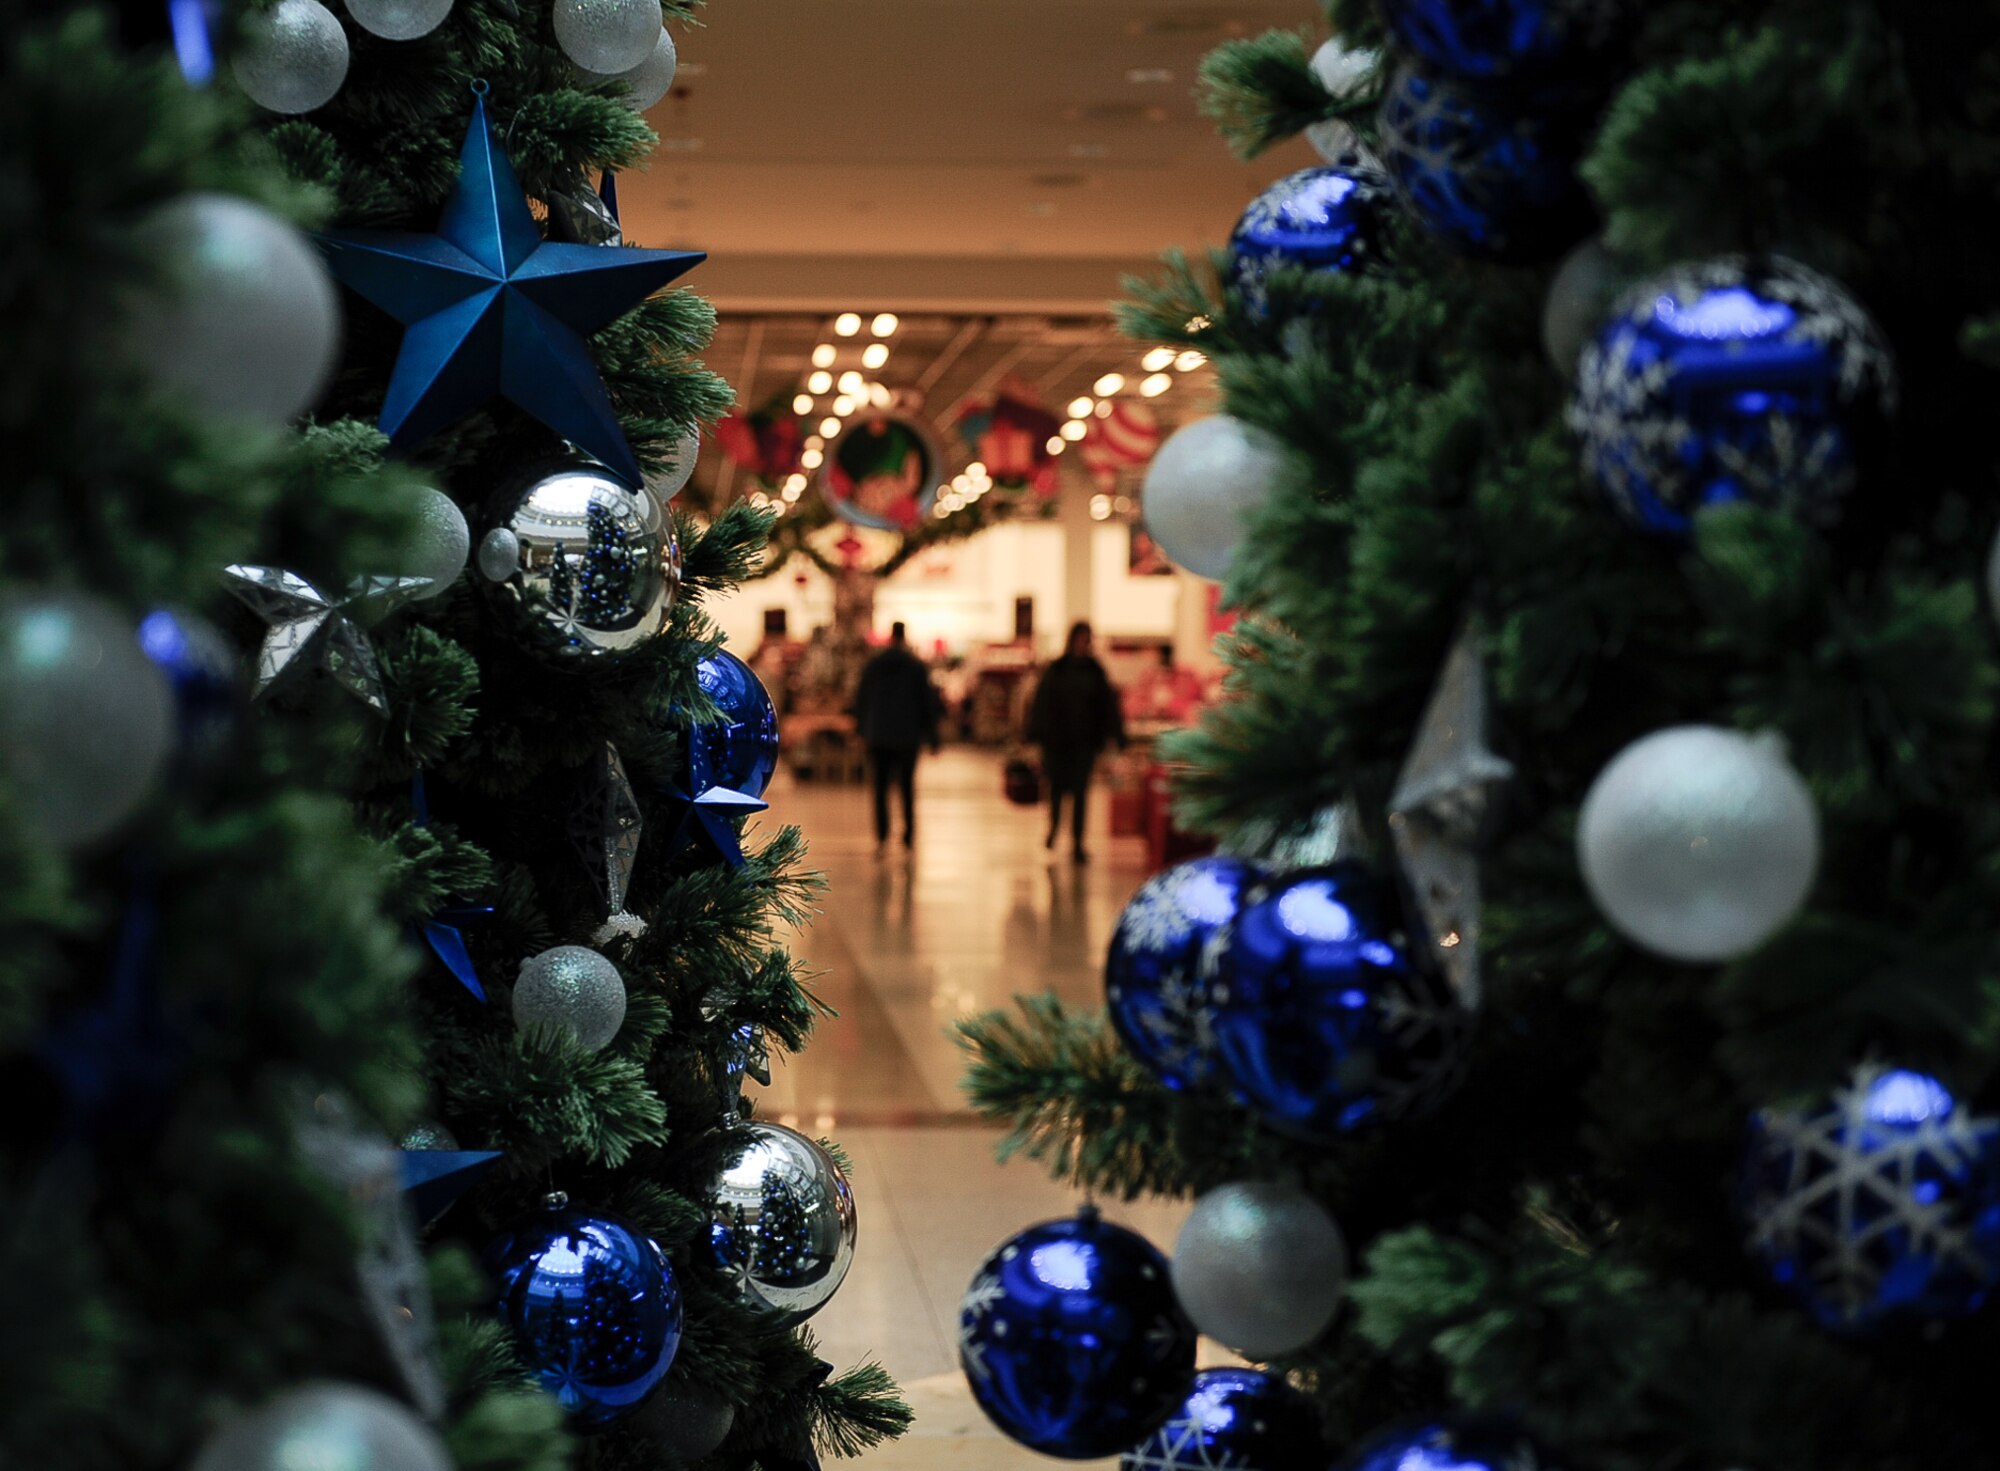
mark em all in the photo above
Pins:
pixel 594 1307
pixel 1512 43
pixel 1454 1445
pixel 1319 219
pixel 1325 1015
pixel 1883 1204
pixel 1071 1339
pixel 1731 379
pixel 741 747
pixel 1152 975
pixel 202 672
pixel 1483 179
pixel 1241 1419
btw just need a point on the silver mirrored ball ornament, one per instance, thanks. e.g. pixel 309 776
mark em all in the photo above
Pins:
pixel 294 57
pixel 1261 1267
pixel 342 1427
pixel 571 989
pixel 781 1218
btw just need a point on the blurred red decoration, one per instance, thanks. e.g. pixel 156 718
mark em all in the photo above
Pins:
pixel 1009 434
pixel 766 443
pixel 1128 435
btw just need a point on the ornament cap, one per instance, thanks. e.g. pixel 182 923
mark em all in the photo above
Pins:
pixel 556 1200
pixel 1088 1214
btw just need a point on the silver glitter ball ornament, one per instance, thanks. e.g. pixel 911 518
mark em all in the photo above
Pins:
pixel 399 20
pixel 652 78
pixel 607 36
pixel 1698 842
pixel 671 478
pixel 572 989
pixel 341 1427
pixel 598 560
pixel 440 545
pixel 1261 1267
pixel 428 1135
pixel 294 57
pixel 1202 487
pixel 781 1218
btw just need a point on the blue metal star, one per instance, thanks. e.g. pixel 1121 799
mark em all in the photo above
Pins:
pixel 444 930
pixel 494 310
pixel 705 810
pixel 433 1179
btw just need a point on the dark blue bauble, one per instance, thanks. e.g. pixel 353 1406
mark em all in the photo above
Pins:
pixel 1454 1445
pixel 1325 1016
pixel 201 670
pixel 1512 43
pixel 1482 178
pixel 1072 1341
pixel 1152 976
pixel 1241 1419
pixel 1319 219
pixel 1730 379
pixel 1884 1204
pixel 739 751
pixel 594 1307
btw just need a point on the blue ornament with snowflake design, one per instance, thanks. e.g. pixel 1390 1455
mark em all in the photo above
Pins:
pixel 1318 219
pixel 1510 43
pixel 1325 1016
pixel 1883 1204
pixel 1072 1341
pixel 1152 975
pixel 1731 379
pixel 593 1305
pixel 1233 1420
pixel 1464 1444
pixel 1483 179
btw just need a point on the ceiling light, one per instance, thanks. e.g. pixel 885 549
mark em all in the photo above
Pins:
pixel 812 459
pixel 1156 385
pixel 885 324
pixel 1148 76
pixel 820 382
pixel 1103 410
pixel 976 470
pixel 843 406
pixel 1056 445
pixel 1074 430
pixel 1158 358
pixel 824 354
pixel 1188 361
pixel 880 396
pixel 1109 384
pixel 874 355
pixel 853 384
pixel 1079 408
pixel 795 482
pixel 829 427
pixel 847 324
pixel 793 492
pixel 813 441
pixel 1100 508
pixel 803 404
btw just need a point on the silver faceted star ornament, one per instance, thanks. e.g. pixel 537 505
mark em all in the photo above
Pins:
pixel 1442 811
pixel 606 828
pixel 309 630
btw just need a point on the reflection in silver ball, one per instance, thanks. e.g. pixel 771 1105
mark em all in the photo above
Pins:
pixel 607 36
pixel 599 561
pixel 86 719
pixel 781 1218
pixel 1260 1266
pixel 341 1426
pixel 399 20
pixel 246 323
pixel 652 78
pixel 684 1424
pixel 499 554
pixel 1697 842
pixel 428 1135
pixel 294 57
pixel 440 546
pixel 572 989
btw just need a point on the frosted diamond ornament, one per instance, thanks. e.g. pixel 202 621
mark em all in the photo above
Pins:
pixel 294 57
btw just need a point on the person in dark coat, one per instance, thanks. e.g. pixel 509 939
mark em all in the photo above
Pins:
pixel 896 711
pixel 1075 715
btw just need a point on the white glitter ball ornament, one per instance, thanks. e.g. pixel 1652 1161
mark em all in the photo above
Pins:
pixel 571 989
pixel 1260 1266
pixel 441 545
pixel 294 58
pixel 1698 842
pixel 399 20
pixel 607 36
pixel 651 78
pixel 1203 485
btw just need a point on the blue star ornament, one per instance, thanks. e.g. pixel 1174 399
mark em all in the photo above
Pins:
pixel 433 1179
pixel 705 808
pixel 494 310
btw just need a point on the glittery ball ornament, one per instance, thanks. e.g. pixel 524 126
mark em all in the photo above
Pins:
pixel 1260 1266
pixel 782 1223
pixel 1318 219
pixel 652 78
pixel 399 20
pixel 571 989
pixel 326 1425
pixel 1883 1203
pixel 1731 379
pixel 1483 179
pixel 1203 486
pixel 1454 1445
pixel 438 546
pixel 1511 43
pixel 740 747
pixel 1071 1339
pixel 294 57
pixel 1152 975
pixel 593 1305
pixel 1324 1015
pixel 1698 842
pixel 1233 1420
pixel 598 563
pixel 607 36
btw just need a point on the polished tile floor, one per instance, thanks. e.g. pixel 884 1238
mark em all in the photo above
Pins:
pixel 976 914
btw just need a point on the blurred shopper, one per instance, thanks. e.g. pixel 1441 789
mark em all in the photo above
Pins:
pixel 896 712
pixel 1075 715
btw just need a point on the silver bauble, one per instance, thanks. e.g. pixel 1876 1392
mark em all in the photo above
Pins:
pixel 326 1427
pixel 1261 1267
pixel 1344 72
pixel 1580 296
pixel 1202 486
pixel 245 323
pixel 781 1218
pixel 440 546
pixel 684 1424
pixel 672 477
pixel 428 1135
pixel 600 561
pixel 294 57
pixel 86 719
pixel 652 78
pixel 399 20
pixel 571 989
pixel 1698 842
pixel 607 36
